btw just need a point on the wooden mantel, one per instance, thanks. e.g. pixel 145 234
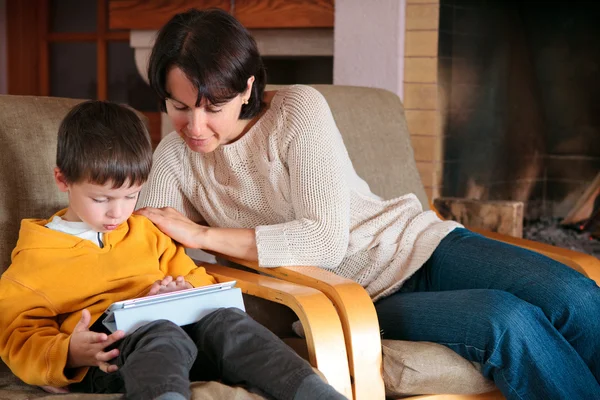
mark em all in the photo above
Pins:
pixel 253 14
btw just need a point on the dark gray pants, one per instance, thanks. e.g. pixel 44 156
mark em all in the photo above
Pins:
pixel 226 345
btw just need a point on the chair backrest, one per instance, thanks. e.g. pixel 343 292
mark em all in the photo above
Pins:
pixel 371 121
pixel 28 129
pixel 374 129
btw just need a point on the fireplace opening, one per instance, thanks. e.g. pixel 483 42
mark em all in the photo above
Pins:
pixel 520 90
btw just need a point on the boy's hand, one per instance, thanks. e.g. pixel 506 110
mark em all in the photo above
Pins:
pixel 86 348
pixel 167 285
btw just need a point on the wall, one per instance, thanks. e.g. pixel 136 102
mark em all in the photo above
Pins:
pixel 3 50
pixel 369 44
pixel 394 47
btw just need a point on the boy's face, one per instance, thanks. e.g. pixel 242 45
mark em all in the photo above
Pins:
pixel 100 206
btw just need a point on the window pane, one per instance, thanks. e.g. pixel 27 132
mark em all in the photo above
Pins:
pixel 73 16
pixel 73 70
pixel 125 85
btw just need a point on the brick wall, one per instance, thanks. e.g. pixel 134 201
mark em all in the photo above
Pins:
pixel 421 97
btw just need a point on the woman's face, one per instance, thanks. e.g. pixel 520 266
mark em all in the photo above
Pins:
pixel 208 126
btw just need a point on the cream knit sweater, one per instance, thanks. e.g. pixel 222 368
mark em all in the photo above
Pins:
pixel 290 178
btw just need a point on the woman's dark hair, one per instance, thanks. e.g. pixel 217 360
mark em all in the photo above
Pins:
pixel 101 142
pixel 215 52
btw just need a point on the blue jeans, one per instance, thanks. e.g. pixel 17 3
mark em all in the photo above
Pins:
pixel 533 323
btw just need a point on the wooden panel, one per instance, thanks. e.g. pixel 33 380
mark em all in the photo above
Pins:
pixel 154 126
pixel 101 51
pixel 134 14
pixel 285 13
pixel 121 36
pixel 22 47
pixel 44 58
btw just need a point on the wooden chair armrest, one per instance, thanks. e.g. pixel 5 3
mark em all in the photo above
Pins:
pixel 495 395
pixel 584 263
pixel 358 317
pixel 324 335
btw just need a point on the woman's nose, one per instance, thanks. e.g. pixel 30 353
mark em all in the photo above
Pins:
pixel 197 122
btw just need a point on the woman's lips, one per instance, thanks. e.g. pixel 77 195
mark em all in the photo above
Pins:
pixel 198 142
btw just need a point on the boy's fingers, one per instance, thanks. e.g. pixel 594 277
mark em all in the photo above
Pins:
pixel 97 337
pixel 154 289
pixel 112 368
pixel 115 337
pixel 107 356
pixel 84 322
pixel 106 367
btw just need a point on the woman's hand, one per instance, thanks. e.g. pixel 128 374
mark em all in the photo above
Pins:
pixel 168 285
pixel 234 242
pixel 177 226
pixel 86 348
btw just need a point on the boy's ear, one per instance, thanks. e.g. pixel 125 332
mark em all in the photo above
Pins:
pixel 60 180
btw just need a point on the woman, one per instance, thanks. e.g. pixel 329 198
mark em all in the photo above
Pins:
pixel 265 176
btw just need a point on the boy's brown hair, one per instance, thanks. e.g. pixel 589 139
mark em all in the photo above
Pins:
pixel 100 142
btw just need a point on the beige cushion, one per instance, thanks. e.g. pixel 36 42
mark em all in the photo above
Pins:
pixel 429 368
pixel 11 388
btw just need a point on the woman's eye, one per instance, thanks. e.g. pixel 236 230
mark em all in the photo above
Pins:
pixel 180 108
pixel 213 110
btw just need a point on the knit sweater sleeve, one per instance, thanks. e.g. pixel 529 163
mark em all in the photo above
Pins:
pixel 31 343
pixel 313 150
pixel 165 186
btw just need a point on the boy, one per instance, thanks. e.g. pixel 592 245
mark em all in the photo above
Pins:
pixel 67 270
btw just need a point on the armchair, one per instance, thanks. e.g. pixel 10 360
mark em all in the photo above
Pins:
pixel 28 129
pixel 374 129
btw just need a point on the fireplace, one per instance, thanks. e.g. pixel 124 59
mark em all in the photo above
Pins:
pixel 520 90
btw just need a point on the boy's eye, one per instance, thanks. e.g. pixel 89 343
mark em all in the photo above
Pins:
pixel 132 197
pixel 99 200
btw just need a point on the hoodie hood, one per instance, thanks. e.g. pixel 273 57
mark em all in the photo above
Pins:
pixel 34 235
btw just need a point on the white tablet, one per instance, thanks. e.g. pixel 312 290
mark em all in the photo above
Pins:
pixel 182 307
pixel 180 294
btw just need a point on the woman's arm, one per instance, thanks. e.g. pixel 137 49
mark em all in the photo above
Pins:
pixel 235 242
pixel 312 149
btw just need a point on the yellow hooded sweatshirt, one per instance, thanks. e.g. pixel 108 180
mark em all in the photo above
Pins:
pixel 54 275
